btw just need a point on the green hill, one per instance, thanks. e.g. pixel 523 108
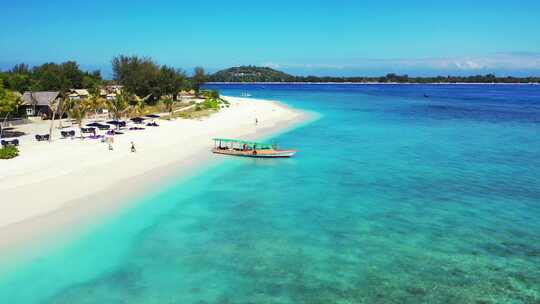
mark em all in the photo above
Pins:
pixel 265 74
pixel 250 74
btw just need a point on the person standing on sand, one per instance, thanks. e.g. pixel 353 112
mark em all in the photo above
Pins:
pixel 110 141
pixel 133 150
pixel 256 121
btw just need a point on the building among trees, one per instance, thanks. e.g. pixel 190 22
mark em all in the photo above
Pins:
pixel 39 103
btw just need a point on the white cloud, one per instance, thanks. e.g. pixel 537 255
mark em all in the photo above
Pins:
pixel 498 61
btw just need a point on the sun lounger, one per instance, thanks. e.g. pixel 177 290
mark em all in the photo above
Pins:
pixel 42 137
pixel 95 137
pixel 113 132
pixel 14 142
pixel 66 134
pixel 104 127
pixel 88 130
pixel 136 128
pixel 152 124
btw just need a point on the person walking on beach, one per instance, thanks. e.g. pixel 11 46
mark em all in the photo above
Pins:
pixel 256 121
pixel 133 150
pixel 110 141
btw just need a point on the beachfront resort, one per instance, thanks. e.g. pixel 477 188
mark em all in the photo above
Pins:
pixel 105 135
pixel 329 152
pixel 60 101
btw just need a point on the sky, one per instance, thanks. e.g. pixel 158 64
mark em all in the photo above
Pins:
pixel 336 38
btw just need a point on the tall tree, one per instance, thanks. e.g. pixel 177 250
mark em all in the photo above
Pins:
pixel 19 82
pixel 21 68
pixel 73 74
pixel 9 102
pixel 198 79
pixel 95 102
pixel 171 81
pixel 138 75
pixel 119 105
pixel 168 102
pixel 63 107
pixel 137 104
pixel 78 112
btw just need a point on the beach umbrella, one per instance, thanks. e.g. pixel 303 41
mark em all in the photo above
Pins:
pixel 94 124
pixel 152 116
pixel 115 122
pixel 137 119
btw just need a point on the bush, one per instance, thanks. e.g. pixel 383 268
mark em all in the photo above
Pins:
pixel 9 152
pixel 210 104
pixel 210 94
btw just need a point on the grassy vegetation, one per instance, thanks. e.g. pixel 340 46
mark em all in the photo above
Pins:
pixel 9 152
pixel 203 109
pixel 160 107
pixel 212 103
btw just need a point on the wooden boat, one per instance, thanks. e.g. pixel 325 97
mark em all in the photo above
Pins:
pixel 249 149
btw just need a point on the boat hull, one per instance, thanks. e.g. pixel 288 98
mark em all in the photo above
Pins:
pixel 259 154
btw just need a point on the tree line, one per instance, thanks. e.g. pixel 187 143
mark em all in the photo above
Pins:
pixel 139 76
pixel 144 82
pixel 144 77
pixel 395 78
pixel 266 74
pixel 49 77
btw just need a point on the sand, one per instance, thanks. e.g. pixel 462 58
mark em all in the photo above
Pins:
pixel 53 185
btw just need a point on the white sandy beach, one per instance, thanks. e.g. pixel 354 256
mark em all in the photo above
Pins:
pixel 57 183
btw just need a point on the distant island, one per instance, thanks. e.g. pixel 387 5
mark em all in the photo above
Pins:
pixel 247 74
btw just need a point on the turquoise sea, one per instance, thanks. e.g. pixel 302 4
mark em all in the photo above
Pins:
pixel 393 198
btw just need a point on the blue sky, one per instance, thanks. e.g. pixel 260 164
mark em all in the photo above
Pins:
pixel 301 37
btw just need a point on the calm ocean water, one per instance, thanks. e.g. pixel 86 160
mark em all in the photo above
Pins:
pixel 393 198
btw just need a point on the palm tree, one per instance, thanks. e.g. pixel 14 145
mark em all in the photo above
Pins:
pixel 118 105
pixel 96 103
pixel 169 105
pixel 59 106
pixel 55 105
pixel 78 113
pixel 137 104
pixel 63 106
pixel 198 79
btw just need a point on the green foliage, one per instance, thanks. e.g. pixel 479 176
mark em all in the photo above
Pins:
pixel 19 82
pixel 138 75
pixel 9 102
pixel 78 110
pixel 119 105
pixel 95 102
pixel 143 77
pixel 198 79
pixel 9 152
pixel 171 81
pixel 137 105
pixel 210 104
pixel 168 102
pixel 49 77
pixel 210 94
pixel 265 74
pixel 250 74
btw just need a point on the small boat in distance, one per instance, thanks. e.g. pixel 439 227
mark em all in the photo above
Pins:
pixel 249 149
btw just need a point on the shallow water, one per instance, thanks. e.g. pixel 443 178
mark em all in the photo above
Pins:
pixel 393 198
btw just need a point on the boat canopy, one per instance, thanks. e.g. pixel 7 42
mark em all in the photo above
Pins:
pixel 244 142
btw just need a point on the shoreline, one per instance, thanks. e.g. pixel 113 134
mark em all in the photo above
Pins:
pixel 43 216
pixel 383 83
